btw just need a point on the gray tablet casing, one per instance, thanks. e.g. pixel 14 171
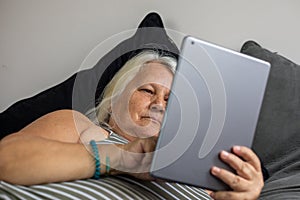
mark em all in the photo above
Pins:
pixel 214 104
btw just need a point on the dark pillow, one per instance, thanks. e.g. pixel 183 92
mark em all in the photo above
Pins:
pixel 277 138
pixel 82 90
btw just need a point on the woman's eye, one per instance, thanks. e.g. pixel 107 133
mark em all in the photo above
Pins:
pixel 147 91
pixel 167 98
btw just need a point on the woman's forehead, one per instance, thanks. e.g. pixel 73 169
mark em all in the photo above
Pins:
pixel 154 72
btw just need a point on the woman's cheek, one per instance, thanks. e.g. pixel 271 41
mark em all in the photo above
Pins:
pixel 137 103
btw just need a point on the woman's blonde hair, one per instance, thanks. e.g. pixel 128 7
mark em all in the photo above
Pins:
pixel 121 79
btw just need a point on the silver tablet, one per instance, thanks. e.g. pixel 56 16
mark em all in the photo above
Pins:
pixel 214 104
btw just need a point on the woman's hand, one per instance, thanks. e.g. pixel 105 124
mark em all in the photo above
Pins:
pixel 248 182
pixel 136 157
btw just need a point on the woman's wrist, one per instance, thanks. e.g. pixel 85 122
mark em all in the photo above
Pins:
pixel 114 161
pixel 109 158
pixel 97 159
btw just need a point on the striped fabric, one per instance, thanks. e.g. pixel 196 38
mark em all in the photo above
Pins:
pixel 113 139
pixel 118 187
pixel 110 187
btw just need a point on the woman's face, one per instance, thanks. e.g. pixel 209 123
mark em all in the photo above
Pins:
pixel 139 110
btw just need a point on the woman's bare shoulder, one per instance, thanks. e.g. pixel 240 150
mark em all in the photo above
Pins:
pixel 61 125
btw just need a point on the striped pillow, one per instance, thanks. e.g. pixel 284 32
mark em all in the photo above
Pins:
pixel 118 187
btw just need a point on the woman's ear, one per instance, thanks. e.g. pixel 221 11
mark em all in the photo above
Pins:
pixel 108 117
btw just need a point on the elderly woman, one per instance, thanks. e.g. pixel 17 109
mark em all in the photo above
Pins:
pixel 117 139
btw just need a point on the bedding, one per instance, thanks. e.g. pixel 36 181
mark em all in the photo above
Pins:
pixel 119 187
pixel 277 137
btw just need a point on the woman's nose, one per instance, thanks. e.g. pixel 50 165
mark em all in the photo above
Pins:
pixel 158 104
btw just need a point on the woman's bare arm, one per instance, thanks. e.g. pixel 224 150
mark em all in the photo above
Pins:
pixel 47 150
pixel 29 160
pixel 64 126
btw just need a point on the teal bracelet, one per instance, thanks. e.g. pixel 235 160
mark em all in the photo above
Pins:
pixel 97 159
pixel 107 165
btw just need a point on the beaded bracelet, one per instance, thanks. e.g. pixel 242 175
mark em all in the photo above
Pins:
pixel 97 159
pixel 107 165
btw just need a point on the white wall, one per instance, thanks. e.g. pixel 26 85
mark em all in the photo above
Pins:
pixel 42 42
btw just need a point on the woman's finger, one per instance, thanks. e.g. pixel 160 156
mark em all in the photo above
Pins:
pixel 234 181
pixel 248 155
pixel 226 195
pixel 241 167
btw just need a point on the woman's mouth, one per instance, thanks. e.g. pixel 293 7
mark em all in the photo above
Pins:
pixel 153 119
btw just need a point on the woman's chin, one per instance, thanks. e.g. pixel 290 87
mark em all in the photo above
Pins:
pixel 150 129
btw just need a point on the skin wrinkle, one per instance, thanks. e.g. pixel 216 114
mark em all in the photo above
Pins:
pixel 150 87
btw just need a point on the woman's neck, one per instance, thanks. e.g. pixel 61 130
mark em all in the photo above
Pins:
pixel 119 131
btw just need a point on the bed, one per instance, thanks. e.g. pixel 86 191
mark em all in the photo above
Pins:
pixel 120 187
pixel 277 138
